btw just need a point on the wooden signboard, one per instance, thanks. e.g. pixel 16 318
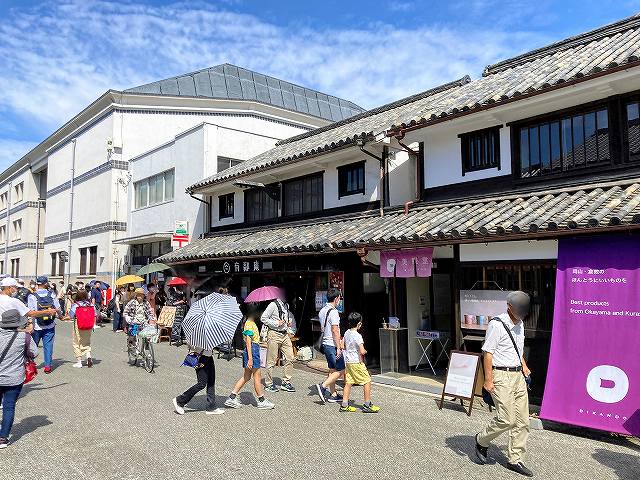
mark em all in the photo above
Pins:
pixel 167 316
pixel 462 377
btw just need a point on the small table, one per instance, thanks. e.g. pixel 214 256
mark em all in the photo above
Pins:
pixel 426 341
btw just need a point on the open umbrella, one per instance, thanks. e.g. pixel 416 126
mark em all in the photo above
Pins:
pixel 153 268
pixel 211 321
pixel 263 294
pixel 129 279
pixel 103 285
pixel 176 282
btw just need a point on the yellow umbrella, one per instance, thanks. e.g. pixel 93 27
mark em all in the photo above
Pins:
pixel 129 279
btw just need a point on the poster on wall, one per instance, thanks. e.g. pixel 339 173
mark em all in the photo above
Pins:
pixel 594 372
pixel 478 307
pixel 336 280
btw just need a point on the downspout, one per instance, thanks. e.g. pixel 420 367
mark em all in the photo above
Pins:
pixel 6 228
pixel 38 235
pixel 381 187
pixel 207 212
pixel 71 194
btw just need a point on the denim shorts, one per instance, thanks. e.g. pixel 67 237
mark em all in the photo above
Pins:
pixel 332 362
pixel 255 354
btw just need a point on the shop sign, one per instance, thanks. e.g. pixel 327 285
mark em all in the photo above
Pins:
pixel 416 262
pixel 462 377
pixel 246 266
pixel 478 307
pixel 336 280
pixel 594 373
pixel 181 227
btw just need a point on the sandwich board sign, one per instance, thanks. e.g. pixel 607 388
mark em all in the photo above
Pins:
pixel 180 236
pixel 462 377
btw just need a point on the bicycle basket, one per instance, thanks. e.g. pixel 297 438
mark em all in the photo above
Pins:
pixel 149 332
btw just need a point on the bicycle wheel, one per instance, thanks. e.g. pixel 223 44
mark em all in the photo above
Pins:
pixel 132 352
pixel 148 358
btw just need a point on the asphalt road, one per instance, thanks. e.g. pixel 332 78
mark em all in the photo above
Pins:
pixel 115 421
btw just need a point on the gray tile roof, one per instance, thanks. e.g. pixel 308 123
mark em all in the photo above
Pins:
pixel 606 49
pixel 235 83
pixel 510 217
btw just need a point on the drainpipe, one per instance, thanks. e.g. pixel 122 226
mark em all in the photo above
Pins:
pixel 71 193
pixel 38 236
pixel 381 187
pixel 207 212
pixel 6 228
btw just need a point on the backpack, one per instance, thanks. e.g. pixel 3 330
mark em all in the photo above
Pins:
pixel 85 316
pixel 45 303
pixel 23 294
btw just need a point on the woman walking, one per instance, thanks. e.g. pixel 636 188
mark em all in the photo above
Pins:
pixel 80 310
pixel 118 307
pixel 15 344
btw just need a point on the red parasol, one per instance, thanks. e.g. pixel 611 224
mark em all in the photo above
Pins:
pixel 176 282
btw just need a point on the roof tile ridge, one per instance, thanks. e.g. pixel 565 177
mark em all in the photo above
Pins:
pixel 569 42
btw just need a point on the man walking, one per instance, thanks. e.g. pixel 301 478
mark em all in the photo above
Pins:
pixel 331 347
pixel 96 301
pixel 276 318
pixel 505 372
pixel 44 328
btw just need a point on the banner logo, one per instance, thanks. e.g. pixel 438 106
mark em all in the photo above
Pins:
pixel 607 384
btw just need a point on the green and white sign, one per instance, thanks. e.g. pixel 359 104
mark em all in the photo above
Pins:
pixel 182 227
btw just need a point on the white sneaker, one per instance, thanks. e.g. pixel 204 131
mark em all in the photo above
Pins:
pixel 77 365
pixel 214 411
pixel 233 402
pixel 177 408
pixel 265 405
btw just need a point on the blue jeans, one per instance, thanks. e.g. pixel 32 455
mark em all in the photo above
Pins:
pixel 333 363
pixel 9 397
pixel 47 337
pixel 116 318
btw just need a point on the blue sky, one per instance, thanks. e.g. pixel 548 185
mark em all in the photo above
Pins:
pixel 56 57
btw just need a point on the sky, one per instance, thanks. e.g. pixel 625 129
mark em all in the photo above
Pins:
pixel 56 57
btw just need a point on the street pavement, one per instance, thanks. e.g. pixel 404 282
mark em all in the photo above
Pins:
pixel 115 421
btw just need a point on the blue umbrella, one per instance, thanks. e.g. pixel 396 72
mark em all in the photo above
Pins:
pixel 103 285
pixel 211 321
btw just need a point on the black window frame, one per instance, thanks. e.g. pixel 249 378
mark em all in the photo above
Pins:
pixel 223 205
pixel 487 144
pixel 268 193
pixel 343 172
pixel 304 182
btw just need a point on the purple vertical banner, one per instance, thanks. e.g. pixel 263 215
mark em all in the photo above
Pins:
pixel 387 264
pixel 594 365
pixel 424 261
pixel 405 267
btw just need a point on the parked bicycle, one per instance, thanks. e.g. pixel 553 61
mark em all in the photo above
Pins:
pixel 139 346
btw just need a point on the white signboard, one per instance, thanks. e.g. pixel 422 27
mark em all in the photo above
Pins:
pixel 478 307
pixel 461 377
pixel 181 227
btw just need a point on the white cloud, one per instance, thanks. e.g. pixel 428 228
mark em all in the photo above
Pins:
pixel 12 150
pixel 57 58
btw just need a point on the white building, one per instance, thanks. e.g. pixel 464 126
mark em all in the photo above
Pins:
pixel 182 127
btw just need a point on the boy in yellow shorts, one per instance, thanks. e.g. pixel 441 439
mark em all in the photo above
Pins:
pixel 357 373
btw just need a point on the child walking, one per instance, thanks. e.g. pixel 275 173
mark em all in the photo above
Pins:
pixel 251 364
pixel 357 373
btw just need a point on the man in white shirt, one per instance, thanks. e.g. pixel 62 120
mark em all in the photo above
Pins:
pixel 331 347
pixel 505 371
pixel 280 324
pixel 8 288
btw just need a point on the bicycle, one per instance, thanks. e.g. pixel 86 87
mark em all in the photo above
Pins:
pixel 140 348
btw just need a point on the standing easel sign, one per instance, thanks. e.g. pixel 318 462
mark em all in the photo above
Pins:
pixel 462 376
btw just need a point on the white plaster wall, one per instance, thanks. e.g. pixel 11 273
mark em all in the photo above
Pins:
pixel 522 250
pixel 238 207
pixel 402 178
pixel 104 266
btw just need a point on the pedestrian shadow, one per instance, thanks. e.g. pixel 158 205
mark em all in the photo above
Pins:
pixel 624 465
pixel 55 364
pixel 28 425
pixel 313 392
pixel 199 404
pixel 465 446
pixel 31 387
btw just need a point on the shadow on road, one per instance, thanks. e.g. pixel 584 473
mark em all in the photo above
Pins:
pixel 464 446
pixel 624 465
pixel 28 425
pixel 30 387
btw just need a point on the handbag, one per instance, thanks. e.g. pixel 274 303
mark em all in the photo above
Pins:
pixel 30 368
pixel 318 343
pixel 191 360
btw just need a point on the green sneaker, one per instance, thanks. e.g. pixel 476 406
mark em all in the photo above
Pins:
pixel 349 409
pixel 370 408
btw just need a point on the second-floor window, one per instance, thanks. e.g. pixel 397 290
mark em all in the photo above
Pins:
pixel 226 162
pixel 226 205
pixel 351 179
pixel 480 149
pixel 17 229
pixel 566 143
pixel 260 204
pixel 633 130
pixel 302 195
pixel 153 190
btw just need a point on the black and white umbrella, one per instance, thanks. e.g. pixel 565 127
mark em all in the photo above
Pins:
pixel 211 321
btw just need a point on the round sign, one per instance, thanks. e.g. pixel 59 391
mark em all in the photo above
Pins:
pixel 226 267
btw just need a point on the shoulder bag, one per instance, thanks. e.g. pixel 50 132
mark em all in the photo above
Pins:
pixel 30 368
pixel 318 345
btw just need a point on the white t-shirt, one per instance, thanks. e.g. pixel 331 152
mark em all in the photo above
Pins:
pixel 334 319
pixel 498 343
pixel 352 342
pixel 10 303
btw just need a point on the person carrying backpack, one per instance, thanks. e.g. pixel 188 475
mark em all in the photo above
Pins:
pixel 83 314
pixel 44 327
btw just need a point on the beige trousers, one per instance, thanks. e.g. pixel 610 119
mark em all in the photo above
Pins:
pixel 512 414
pixel 279 342
pixel 81 341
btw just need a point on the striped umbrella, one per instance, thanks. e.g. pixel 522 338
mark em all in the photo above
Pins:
pixel 211 321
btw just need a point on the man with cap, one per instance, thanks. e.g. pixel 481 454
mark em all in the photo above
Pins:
pixel 505 377
pixel 44 328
